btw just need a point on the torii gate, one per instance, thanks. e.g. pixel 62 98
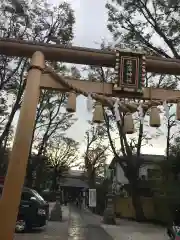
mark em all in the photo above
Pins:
pixel 41 77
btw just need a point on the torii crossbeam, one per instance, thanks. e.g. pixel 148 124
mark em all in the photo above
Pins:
pixel 79 55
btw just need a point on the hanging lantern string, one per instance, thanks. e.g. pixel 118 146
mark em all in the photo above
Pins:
pixel 124 106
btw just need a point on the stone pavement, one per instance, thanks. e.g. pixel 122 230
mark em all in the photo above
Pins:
pixel 76 225
pixel 130 230
pixel 83 225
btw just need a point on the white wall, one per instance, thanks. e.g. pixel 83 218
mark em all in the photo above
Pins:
pixel 144 169
pixel 120 177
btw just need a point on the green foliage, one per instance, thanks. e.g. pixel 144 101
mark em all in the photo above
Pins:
pixel 3 109
pixel 39 22
pixel 96 152
pixel 61 153
pixel 127 21
pixel 168 186
pixel 172 165
pixel 152 27
pixel 51 119
pixel 150 15
pixel 45 22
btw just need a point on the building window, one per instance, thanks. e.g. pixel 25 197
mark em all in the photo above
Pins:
pixel 154 174
pixel 143 177
pixel 26 196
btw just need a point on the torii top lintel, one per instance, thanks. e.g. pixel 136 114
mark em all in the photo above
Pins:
pixel 79 55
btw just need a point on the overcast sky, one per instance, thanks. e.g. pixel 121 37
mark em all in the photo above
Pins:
pixel 90 29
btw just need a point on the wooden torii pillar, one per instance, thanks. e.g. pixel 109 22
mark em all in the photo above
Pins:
pixel 16 172
pixel 14 180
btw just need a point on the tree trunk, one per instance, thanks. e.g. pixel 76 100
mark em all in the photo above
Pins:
pixel 91 177
pixel 168 140
pixel 54 186
pixel 39 174
pixel 40 164
pixel 136 201
pixel 29 176
pixel 91 182
pixel 132 173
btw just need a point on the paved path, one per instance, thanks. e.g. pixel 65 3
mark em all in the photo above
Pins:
pixel 130 230
pixel 83 225
pixel 76 225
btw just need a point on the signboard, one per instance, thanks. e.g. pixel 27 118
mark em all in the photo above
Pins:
pixel 92 197
pixel 130 71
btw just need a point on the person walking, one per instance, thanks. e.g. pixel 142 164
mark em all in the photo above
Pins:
pixel 77 201
pixel 80 202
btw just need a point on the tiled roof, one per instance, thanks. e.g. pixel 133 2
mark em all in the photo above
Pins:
pixel 73 182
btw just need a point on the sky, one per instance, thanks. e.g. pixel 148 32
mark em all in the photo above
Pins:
pixel 90 29
pixel 91 19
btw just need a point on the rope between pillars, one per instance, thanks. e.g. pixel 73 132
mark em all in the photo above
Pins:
pixel 125 107
pixel 97 97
